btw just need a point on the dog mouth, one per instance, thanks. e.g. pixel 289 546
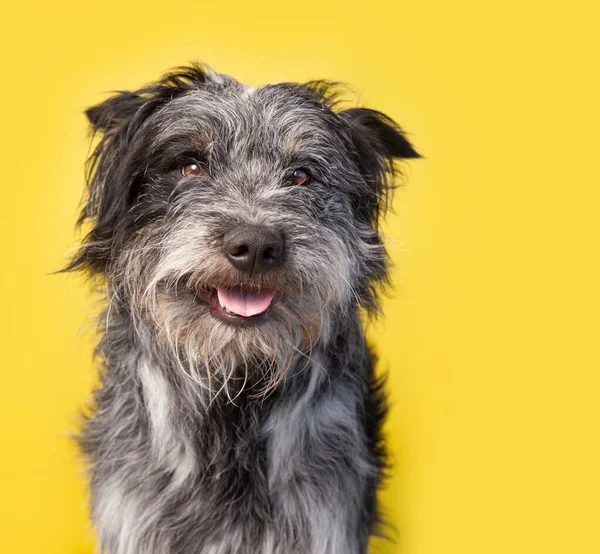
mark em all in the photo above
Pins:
pixel 238 306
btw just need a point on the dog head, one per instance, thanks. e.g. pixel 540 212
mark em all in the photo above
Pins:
pixel 237 224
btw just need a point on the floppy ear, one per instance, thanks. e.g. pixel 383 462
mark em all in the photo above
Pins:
pixel 116 120
pixel 109 186
pixel 114 111
pixel 380 132
pixel 377 141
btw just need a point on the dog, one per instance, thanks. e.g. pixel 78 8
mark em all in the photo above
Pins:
pixel 236 233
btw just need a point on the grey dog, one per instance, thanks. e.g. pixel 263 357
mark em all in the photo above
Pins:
pixel 236 232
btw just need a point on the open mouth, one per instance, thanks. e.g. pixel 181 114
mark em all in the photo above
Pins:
pixel 238 306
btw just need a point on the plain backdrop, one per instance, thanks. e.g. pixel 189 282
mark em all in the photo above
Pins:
pixel 491 334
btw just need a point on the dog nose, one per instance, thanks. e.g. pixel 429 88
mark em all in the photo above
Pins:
pixel 253 249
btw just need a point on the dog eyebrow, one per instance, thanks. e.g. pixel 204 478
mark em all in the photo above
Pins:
pixel 198 139
pixel 179 148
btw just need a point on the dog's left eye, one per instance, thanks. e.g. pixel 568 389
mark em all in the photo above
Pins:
pixel 192 169
pixel 300 176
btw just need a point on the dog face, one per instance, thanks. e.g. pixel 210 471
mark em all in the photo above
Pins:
pixel 237 224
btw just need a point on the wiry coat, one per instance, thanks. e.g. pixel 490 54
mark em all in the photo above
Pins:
pixel 208 438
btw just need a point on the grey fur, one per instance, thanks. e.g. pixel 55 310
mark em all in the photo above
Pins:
pixel 205 437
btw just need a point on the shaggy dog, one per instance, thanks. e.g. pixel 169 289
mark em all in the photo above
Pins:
pixel 236 232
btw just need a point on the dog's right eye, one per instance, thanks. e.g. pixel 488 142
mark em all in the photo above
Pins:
pixel 191 169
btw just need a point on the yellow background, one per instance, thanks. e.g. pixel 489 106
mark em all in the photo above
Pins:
pixel 491 337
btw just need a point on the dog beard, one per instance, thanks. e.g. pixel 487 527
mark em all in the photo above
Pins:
pixel 227 333
pixel 222 357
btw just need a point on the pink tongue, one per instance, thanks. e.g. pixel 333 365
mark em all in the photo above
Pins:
pixel 244 302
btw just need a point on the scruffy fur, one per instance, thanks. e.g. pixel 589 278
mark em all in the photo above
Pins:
pixel 206 437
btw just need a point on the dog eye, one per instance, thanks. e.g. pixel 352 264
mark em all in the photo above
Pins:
pixel 300 177
pixel 192 169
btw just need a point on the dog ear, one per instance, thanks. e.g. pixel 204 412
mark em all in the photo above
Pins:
pixel 109 183
pixel 377 142
pixel 113 167
pixel 380 133
pixel 114 111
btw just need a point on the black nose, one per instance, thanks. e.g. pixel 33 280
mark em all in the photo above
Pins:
pixel 253 249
